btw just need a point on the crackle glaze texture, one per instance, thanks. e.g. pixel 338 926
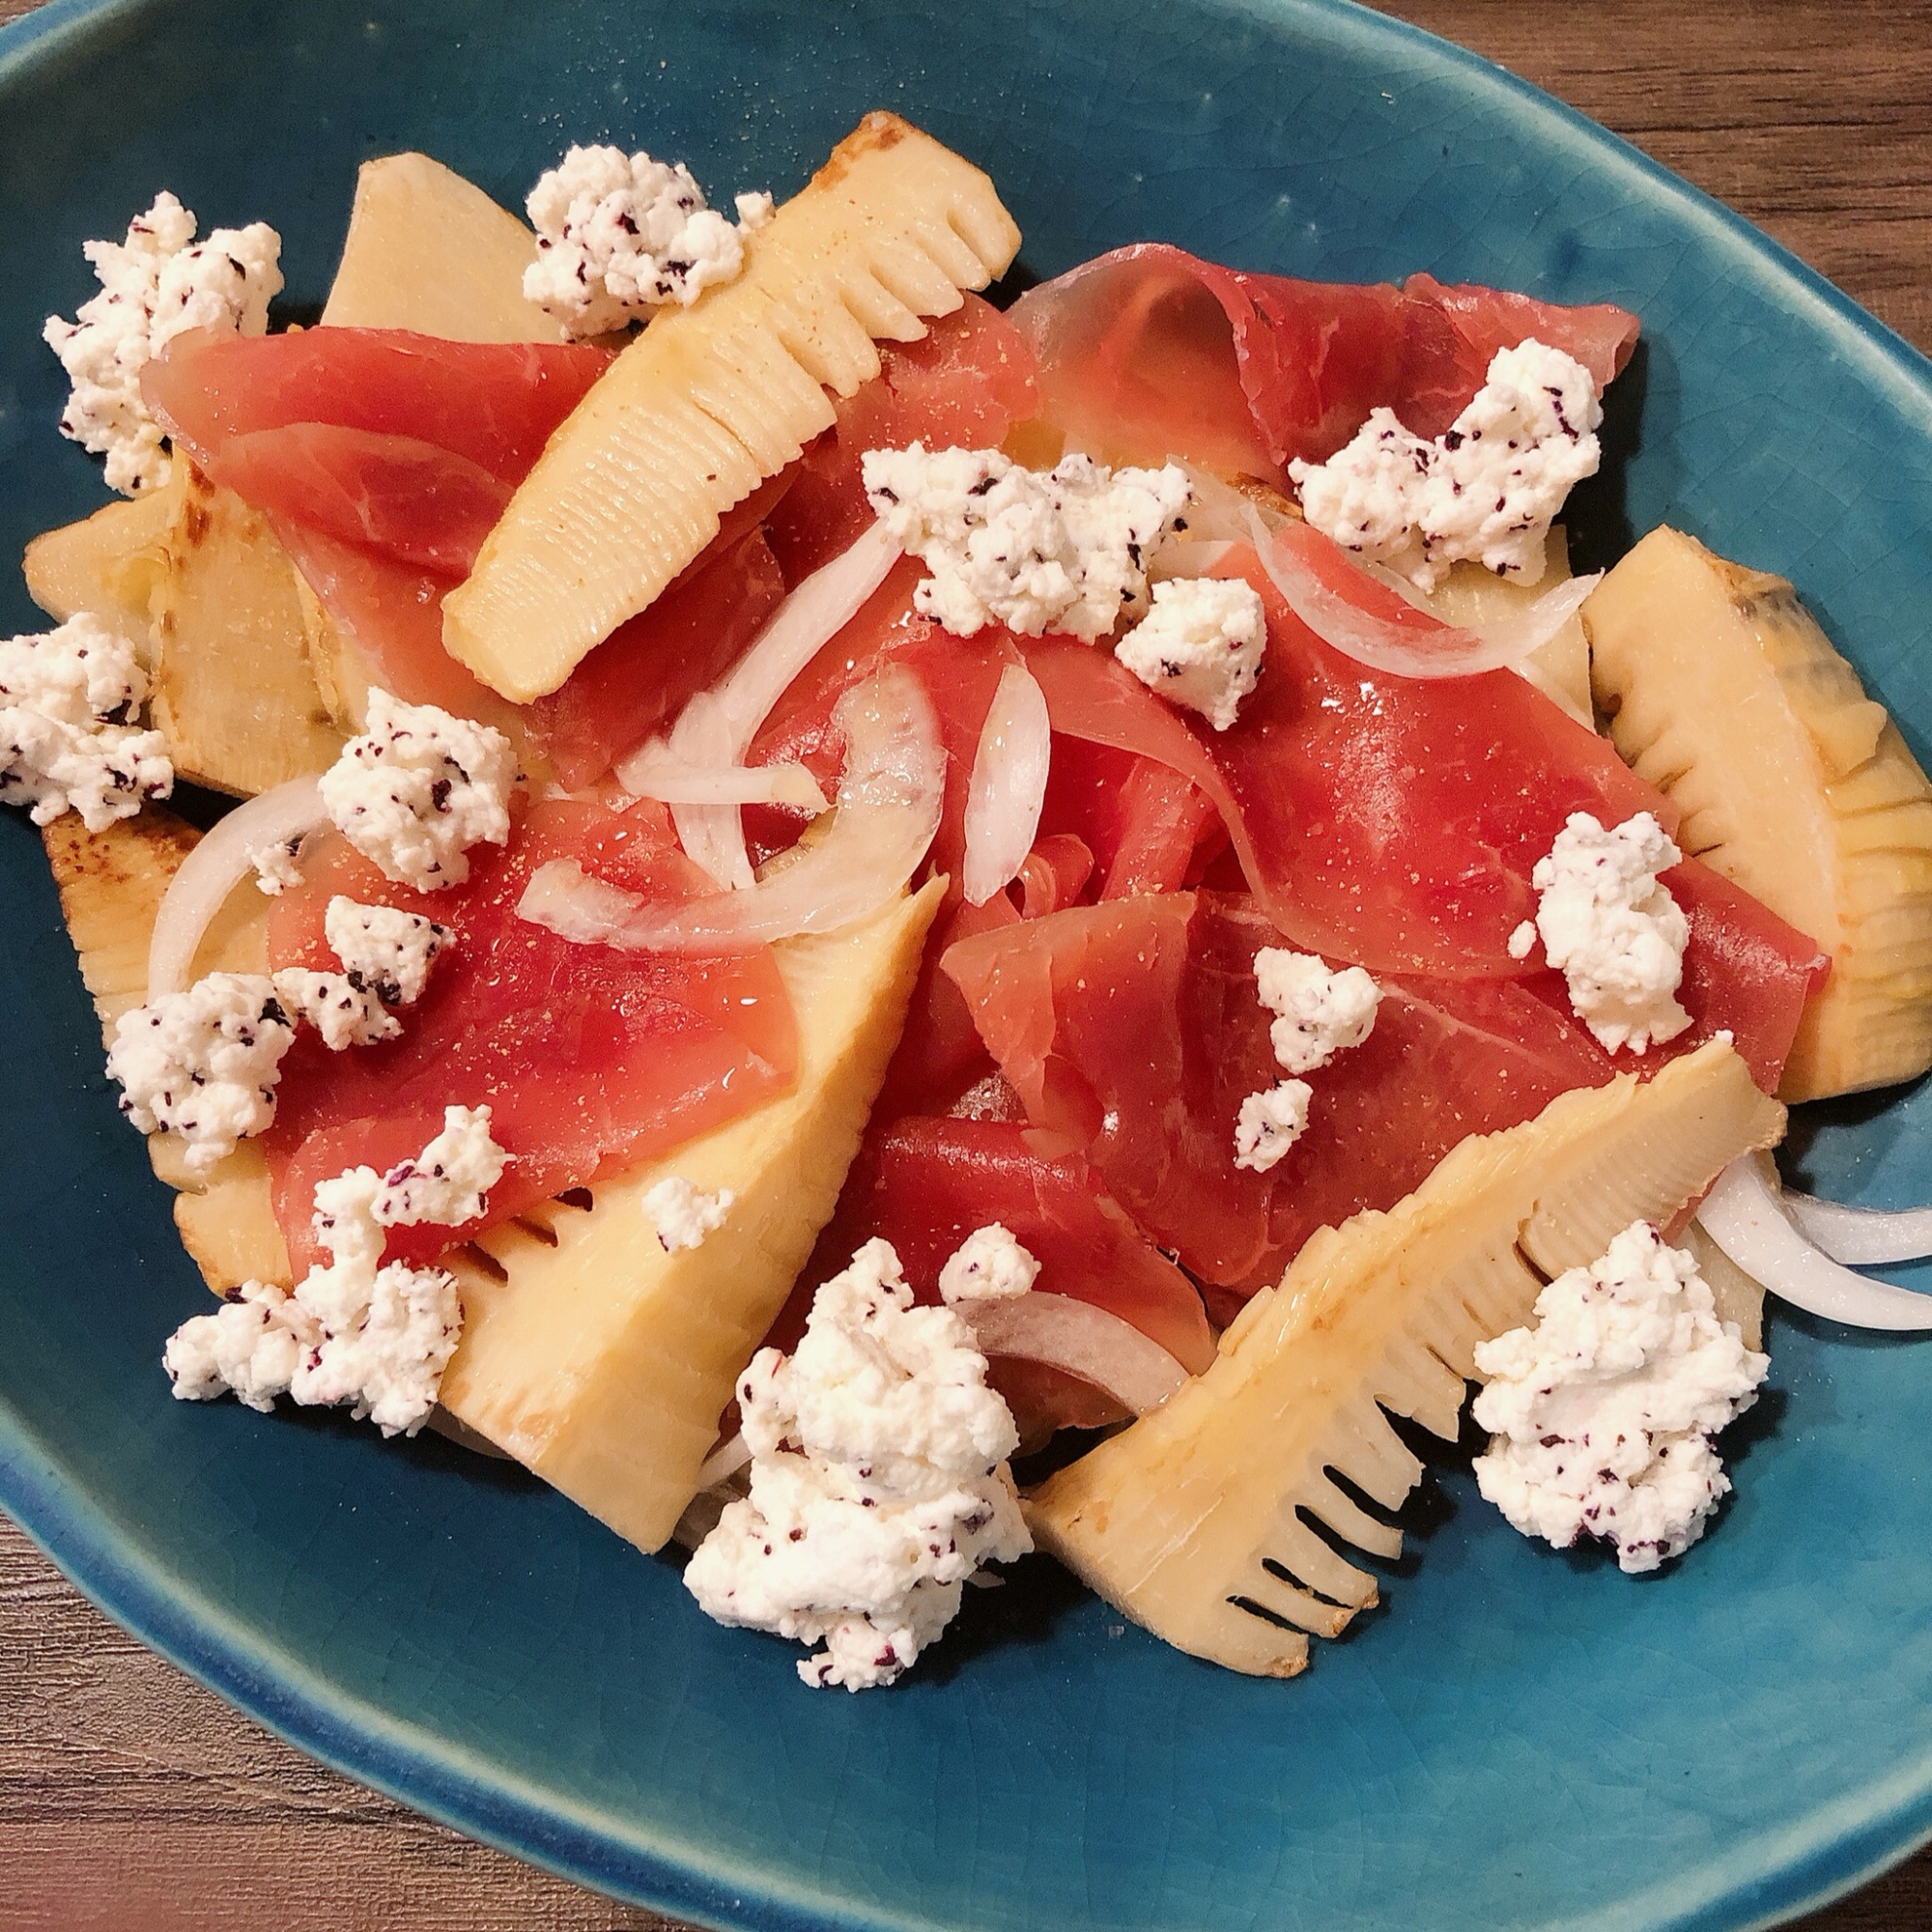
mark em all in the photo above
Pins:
pixel 1521 1739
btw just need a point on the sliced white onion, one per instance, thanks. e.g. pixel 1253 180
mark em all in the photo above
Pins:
pixel 1080 1339
pixel 657 772
pixel 1745 1214
pixel 1187 560
pixel 1220 513
pixel 1008 785
pixel 563 899
pixel 717 726
pixel 1452 651
pixel 723 1462
pixel 217 865
pixel 888 811
pixel 1864 1236
pixel 1527 629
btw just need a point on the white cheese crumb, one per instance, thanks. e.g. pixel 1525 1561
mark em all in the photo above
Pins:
pixel 251 1347
pixel 68 739
pixel 1319 1013
pixel 988 1266
pixel 619 234
pixel 1522 941
pixel 1201 646
pixel 343 1013
pixel 383 948
pixel 682 1215
pixel 154 285
pixel 878 1480
pixel 447 1181
pixel 277 868
pixel 1062 550
pixel 1486 488
pixel 1612 930
pixel 203 1062
pixel 353 1332
pixel 1271 1123
pixel 419 788
pixel 1603 1413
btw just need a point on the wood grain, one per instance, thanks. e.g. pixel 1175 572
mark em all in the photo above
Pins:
pixel 132 1798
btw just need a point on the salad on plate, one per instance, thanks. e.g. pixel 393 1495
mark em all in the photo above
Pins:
pixel 877 932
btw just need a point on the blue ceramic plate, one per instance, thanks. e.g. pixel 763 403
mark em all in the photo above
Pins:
pixel 1521 1738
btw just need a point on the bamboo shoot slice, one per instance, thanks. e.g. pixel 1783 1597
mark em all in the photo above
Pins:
pixel 711 400
pixel 1194 1520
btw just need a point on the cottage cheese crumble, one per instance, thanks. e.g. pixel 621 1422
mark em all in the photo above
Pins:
pixel 682 1214
pixel 1271 1123
pixel 879 1482
pixel 154 285
pixel 1201 646
pixel 343 1013
pixel 1612 930
pixel 383 949
pixel 352 1332
pixel 1603 1412
pixel 988 1266
pixel 419 788
pixel 203 1062
pixel 277 867
pixel 1061 551
pixel 1487 488
pixel 1318 1013
pixel 618 236
pixel 68 738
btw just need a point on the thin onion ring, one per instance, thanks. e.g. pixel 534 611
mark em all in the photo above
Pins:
pixel 889 805
pixel 1381 644
pixel 715 728
pixel 1007 788
pixel 656 771
pixel 217 865
pixel 1745 1214
pixel 1081 1340
pixel 1862 1237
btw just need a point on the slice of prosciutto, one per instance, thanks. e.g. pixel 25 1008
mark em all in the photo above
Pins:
pixel 381 459
pixel 590 1060
pixel 1151 352
pixel 1134 1030
pixel 493 403
pixel 1395 822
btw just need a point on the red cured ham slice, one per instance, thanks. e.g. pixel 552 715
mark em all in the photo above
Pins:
pixel 397 495
pixel 1149 353
pixel 1387 820
pixel 1054 874
pixel 925 1185
pixel 381 459
pixel 494 403
pixel 590 1060
pixel 1134 1030
pixel 963 385
pixel 392 612
pixel 1395 822
pixel 1148 828
pixel 641 675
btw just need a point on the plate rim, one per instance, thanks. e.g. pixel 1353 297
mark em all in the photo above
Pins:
pixel 1877 1826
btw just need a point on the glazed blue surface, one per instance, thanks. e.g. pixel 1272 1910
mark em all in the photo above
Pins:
pixel 1521 1739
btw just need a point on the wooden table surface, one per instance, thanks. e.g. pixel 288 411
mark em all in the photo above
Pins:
pixel 130 1798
